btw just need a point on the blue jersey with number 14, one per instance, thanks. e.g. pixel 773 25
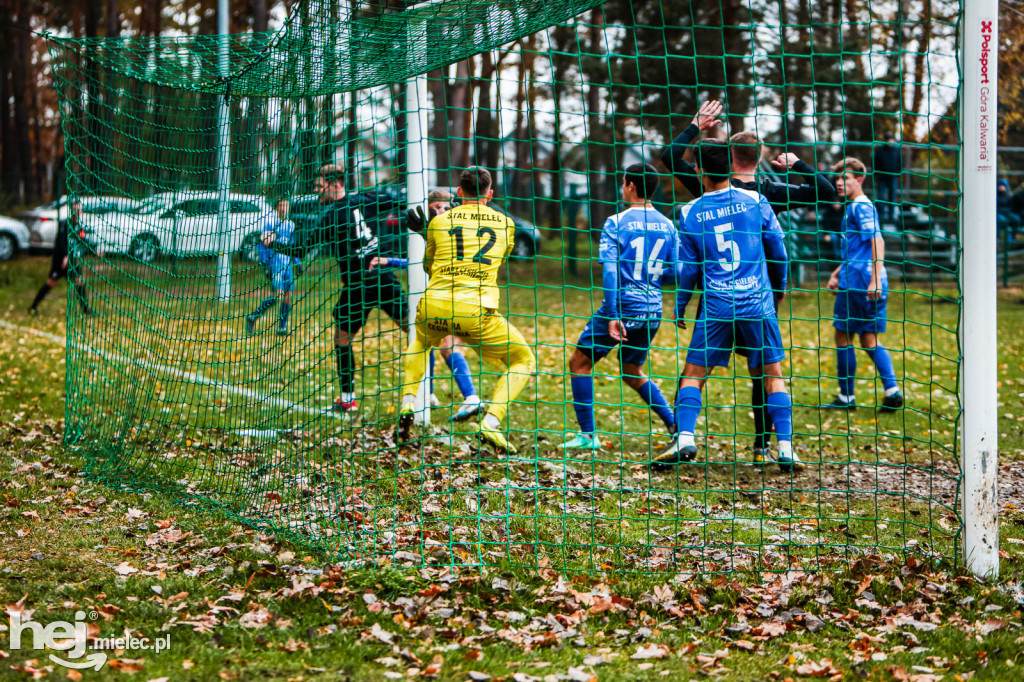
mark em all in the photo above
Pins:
pixel 644 245
pixel 732 238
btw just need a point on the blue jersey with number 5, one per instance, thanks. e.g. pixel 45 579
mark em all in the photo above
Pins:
pixel 731 238
pixel 644 245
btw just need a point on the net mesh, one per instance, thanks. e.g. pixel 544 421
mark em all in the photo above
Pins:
pixel 178 381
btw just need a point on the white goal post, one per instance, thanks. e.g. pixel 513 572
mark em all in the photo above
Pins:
pixel 979 434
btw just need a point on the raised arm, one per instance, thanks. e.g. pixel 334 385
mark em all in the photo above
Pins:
pixel 674 155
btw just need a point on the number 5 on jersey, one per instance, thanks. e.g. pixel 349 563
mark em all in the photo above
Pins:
pixel 725 245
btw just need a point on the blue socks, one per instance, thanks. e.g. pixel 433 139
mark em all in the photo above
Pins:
pixel 282 316
pixel 780 408
pixel 433 361
pixel 583 401
pixel 688 404
pixel 463 377
pixel 883 363
pixel 847 367
pixel 651 395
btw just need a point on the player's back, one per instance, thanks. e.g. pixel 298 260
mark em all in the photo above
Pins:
pixel 643 244
pixel 860 228
pixel 724 232
pixel 466 248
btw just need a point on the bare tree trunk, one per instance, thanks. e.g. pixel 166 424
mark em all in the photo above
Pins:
pixel 96 150
pixel 564 43
pixel 19 86
pixel 522 165
pixel 917 99
pixel 459 118
pixel 485 140
pixel 594 179
pixel 113 16
pixel 402 134
pixel 735 70
pixel 437 83
pixel 536 166
pixel 8 154
pixel 260 19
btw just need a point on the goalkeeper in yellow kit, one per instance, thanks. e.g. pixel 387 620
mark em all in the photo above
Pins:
pixel 466 247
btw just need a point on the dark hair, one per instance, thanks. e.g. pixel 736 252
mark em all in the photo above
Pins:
pixel 644 177
pixel 746 149
pixel 713 159
pixel 474 181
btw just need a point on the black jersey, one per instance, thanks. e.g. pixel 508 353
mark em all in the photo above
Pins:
pixel 348 232
pixel 782 196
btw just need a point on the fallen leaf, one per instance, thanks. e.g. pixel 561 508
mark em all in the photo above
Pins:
pixel 255 619
pixel 650 651
pixel 380 634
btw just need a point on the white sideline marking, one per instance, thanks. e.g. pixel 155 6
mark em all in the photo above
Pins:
pixel 192 377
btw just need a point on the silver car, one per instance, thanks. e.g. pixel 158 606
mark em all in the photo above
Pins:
pixel 180 224
pixel 14 237
pixel 42 221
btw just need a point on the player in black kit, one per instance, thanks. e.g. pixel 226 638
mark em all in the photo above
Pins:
pixel 65 262
pixel 345 233
pixel 746 155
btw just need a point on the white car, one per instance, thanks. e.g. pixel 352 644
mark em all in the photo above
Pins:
pixel 181 224
pixel 42 221
pixel 14 237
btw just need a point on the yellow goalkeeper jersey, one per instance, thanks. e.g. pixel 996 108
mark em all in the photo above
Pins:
pixel 466 246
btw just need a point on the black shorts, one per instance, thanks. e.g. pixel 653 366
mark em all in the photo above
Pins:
pixel 57 267
pixel 360 296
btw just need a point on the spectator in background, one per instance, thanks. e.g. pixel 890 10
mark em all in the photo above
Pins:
pixel 888 165
pixel 1006 218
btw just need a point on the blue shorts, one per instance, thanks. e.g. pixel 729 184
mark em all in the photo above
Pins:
pixel 713 341
pixel 855 313
pixel 596 341
pixel 281 279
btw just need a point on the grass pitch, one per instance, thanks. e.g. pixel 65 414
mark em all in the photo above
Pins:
pixel 235 597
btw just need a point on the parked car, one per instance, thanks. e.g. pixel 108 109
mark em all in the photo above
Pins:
pixel 390 224
pixel 180 224
pixel 14 237
pixel 42 221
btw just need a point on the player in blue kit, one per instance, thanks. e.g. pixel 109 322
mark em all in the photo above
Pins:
pixel 862 291
pixel 279 270
pixel 638 249
pixel 730 239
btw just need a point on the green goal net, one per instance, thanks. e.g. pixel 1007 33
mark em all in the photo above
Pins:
pixel 240 352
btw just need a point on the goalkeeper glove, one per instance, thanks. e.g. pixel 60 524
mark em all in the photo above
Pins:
pixel 416 218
